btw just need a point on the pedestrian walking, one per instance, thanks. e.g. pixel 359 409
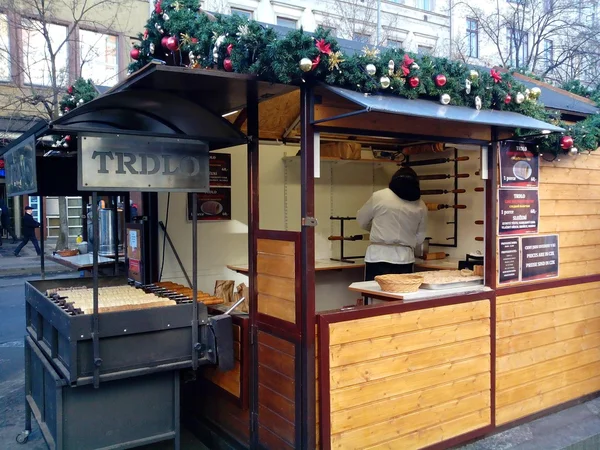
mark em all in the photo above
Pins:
pixel 29 226
pixel 5 222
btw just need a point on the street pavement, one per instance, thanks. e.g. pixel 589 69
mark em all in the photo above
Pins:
pixel 27 264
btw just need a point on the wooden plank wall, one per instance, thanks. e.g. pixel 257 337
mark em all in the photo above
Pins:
pixel 276 392
pixel 229 381
pixel 409 380
pixel 276 280
pixel 548 349
pixel 570 206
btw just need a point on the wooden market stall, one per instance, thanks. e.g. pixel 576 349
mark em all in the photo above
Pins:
pixel 436 369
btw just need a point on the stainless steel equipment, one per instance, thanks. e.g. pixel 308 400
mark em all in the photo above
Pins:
pixel 422 249
pixel 107 232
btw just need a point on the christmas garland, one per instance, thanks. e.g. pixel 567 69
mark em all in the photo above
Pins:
pixel 82 91
pixel 179 33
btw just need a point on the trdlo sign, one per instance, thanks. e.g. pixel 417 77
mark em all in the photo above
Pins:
pixel 136 163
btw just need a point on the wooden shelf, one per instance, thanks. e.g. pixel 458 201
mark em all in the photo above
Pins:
pixel 339 160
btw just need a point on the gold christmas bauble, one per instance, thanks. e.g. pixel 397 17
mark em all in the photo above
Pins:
pixel 385 82
pixel 371 69
pixel 536 92
pixel 305 64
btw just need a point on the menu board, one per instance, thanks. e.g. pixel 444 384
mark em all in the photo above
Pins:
pixel 518 211
pixel 510 268
pixel 212 205
pixel 220 169
pixel 539 257
pixel 519 166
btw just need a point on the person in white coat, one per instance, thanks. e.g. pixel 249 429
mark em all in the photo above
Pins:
pixel 396 218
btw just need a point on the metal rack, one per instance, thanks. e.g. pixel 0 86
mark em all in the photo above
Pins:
pixel 343 258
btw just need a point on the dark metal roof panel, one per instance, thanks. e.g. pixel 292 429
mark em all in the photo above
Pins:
pixel 433 110
pixel 564 101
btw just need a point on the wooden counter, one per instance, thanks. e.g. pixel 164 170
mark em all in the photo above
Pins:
pixel 80 262
pixel 321 265
pixel 372 289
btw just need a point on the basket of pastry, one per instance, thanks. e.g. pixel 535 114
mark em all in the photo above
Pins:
pixel 399 283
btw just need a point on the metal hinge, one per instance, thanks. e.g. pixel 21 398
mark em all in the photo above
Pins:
pixel 309 222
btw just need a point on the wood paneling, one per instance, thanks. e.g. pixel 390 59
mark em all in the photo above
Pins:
pixel 276 392
pixel 548 349
pixel 412 379
pixel 276 279
pixel 570 207
pixel 230 381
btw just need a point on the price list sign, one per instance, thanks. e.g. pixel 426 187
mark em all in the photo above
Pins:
pixel 518 211
pixel 519 166
pixel 510 269
pixel 220 169
pixel 539 257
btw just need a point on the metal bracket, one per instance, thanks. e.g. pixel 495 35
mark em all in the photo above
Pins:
pixel 309 222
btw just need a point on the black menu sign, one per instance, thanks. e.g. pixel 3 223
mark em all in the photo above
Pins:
pixel 518 211
pixel 509 260
pixel 539 257
pixel 212 205
pixel 220 169
pixel 519 166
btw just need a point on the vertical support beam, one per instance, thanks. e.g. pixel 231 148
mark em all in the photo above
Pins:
pixel 307 420
pixel 253 227
pixel 95 324
pixel 42 231
pixel 195 343
pixel 491 189
pixel 115 225
pixel 84 218
pixel 150 211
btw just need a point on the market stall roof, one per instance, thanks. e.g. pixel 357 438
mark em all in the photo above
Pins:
pixel 164 101
pixel 433 110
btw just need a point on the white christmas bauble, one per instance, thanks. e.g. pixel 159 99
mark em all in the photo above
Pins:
pixel 305 64
pixel 371 69
pixel 445 99
pixel 478 103
pixel 468 85
pixel 520 98
pixel 152 48
pixel 385 82
pixel 391 66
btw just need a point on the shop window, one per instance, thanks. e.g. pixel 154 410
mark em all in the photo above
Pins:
pixel 285 22
pixel 361 37
pixel 34 202
pixel 241 12
pixel 99 61
pixel 4 49
pixel 473 38
pixel 36 54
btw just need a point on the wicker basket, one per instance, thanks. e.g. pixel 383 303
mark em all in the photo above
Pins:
pixel 68 252
pixel 399 283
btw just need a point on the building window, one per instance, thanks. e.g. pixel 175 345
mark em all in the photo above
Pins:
pixel 4 49
pixel 427 5
pixel 285 22
pixel 518 39
pixel 36 55
pixel 332 30
pixel 99 61
pixel 472 38
pixel 361 37
pixel 394 43
pixel 424 50
pixel 241 12
pixel 548 53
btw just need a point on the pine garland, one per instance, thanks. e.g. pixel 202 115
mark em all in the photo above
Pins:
pixel 82 91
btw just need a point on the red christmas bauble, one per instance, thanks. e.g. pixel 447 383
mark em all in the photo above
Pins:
pixel 229 49
pixel 135 53
pixel 414 82
pixel 68 138
pixel 227 65
pixel 172 43
pixel 163 41
pixel 566 142
pixel 507 99
pixel 440 80
pixel 70 90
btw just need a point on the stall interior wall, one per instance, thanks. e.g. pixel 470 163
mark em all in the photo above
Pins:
pixel 341 190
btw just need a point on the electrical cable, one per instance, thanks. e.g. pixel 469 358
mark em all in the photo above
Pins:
pixel 164 246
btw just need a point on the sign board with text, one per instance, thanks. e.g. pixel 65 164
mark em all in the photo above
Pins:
pixel 519 166
pixel 212 205
pixel 220 169
pixel 539 257
pixel 510 261
pixel 136 163
pixel 518 211
pixel 20 169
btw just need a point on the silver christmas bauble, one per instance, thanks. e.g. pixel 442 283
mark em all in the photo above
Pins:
pixel 478 103
pixel 385 82
pixel 166 17
pixel 152 48
pixel 305 64
pixel 520 98
pixel 371 69
pixel 468 85
pixel 445 99
pixel 573 151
